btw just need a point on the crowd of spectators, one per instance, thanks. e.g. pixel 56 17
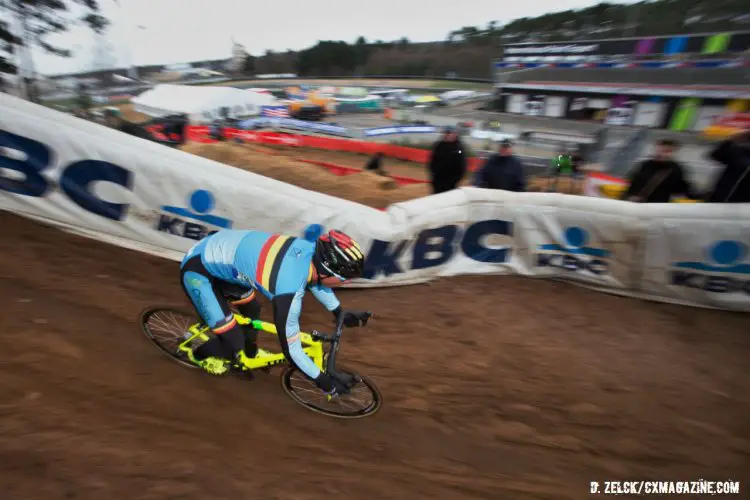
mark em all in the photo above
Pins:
pixel 658 179
pixel 661 178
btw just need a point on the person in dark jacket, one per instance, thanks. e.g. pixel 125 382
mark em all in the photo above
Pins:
pixel 577 160
pixel 447 163
pixel 375 164
pixel 733 184
pixel 659 179
pixel 175 127
pixel 216 130
pixel 501 171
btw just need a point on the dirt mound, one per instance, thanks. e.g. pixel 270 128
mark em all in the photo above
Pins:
pixel 495 387
pixel 356 160
pixel 363 187
pixel 564 185
pixel 281 163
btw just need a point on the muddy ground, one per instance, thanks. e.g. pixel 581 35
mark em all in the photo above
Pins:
pixel 363 187
pixel 495 387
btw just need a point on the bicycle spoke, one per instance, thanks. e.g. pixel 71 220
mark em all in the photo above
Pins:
pixel 162 323
pixel 167 329
pixel 360 401
pixel 311 391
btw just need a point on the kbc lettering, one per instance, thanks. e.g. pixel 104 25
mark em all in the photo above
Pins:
pixel 436 246
pixel 31 158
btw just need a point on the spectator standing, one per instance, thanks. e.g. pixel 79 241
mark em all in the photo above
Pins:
pixel 561 165
pixel 502 170
pixel 660 178
pixel 447 164
pixel 733 184
pixel 375 164
pixel 216 130
pixel 576 158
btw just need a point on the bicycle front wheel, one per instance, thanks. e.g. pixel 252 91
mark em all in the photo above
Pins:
pixel 364 399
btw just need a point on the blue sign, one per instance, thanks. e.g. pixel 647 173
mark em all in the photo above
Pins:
pixel 253 123
pixel 29 159
pixel 406 129
pixel 712 63
pixel 436 246
pixel 725 257
pixel 194 222
pixel 574 255
pixel 292 124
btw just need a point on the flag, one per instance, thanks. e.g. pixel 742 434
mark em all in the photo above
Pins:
pixel 274 112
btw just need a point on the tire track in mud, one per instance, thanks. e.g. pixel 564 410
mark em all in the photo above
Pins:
pixel 494 387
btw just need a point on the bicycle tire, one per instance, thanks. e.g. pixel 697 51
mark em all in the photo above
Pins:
pixel 173 354
pixel 369 410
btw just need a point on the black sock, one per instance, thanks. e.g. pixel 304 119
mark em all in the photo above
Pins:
pixel 210 349
pixel 251 342
pixel 233 341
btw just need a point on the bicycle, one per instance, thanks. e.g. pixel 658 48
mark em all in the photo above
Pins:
pixel 188 333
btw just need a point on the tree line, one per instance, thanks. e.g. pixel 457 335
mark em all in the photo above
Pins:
pixel 466 52
pixel 469 51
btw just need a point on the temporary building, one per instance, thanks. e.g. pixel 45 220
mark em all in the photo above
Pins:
pixel 352 92
pixel 355 104
pixel 453 95
pixel 201 103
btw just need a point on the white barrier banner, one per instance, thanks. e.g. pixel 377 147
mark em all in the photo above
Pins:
pixel 85 175
pixel 581 239
pixel 702 260
pixel 446 235
pixel 491 135
pixel 108 184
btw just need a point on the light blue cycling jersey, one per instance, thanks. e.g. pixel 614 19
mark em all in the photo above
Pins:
pixel 273 264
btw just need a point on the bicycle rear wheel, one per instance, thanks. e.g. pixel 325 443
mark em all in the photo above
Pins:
pixel 166 328
pixel 364 399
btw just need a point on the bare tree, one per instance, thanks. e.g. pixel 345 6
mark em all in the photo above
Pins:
pixel 38 19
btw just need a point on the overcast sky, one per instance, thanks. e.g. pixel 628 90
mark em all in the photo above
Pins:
pixel 189 30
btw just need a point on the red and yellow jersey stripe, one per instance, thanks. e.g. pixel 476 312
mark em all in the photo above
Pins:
pixel 269 261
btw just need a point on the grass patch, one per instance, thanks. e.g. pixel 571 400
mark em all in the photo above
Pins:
pixel 65 103
pixel 72 102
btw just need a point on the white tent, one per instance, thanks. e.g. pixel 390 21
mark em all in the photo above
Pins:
pixel 452 95
pixel 201 103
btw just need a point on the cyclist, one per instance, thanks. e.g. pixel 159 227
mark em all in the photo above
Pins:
pixel 230 266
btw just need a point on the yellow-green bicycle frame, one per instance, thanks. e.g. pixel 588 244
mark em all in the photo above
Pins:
pixel 312 347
